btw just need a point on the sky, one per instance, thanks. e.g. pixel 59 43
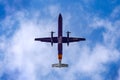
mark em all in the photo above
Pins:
pixel 97 58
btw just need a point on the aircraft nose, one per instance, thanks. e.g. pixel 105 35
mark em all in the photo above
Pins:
pixel 60 15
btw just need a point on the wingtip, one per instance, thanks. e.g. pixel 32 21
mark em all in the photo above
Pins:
pixel 85 39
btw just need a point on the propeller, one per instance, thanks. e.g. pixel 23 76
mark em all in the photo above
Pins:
pixel 52 37
pixel 68 37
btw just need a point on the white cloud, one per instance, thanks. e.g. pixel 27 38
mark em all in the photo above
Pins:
pixel 111 30
pixel 90 62
pixel 116 12
pixel 24 53
pixel 53 9
pixel 34 59
pixel 118 78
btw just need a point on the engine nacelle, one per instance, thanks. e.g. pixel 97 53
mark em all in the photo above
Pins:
pixel 68 37
pixel 52 37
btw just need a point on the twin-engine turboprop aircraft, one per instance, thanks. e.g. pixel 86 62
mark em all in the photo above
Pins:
pixel 60 40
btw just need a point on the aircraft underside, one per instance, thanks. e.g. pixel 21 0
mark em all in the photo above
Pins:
pixel 60 40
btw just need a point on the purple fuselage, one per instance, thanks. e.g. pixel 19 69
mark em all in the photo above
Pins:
pixel 60 36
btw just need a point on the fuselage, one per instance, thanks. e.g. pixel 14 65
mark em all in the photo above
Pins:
pixel 60 37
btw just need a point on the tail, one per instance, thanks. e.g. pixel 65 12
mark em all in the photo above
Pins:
pixel 59 65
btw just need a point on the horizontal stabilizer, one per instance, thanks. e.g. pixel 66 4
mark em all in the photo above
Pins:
pixel 59 65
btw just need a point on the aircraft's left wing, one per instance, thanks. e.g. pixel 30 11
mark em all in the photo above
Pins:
pixel 47 39
pixel 72 39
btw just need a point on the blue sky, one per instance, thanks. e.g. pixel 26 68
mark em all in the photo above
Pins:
pixel 21 58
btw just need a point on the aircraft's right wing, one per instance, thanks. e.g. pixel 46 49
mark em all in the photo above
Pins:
pixel 47 39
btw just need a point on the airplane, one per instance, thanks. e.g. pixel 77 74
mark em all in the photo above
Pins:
pixel 60 40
